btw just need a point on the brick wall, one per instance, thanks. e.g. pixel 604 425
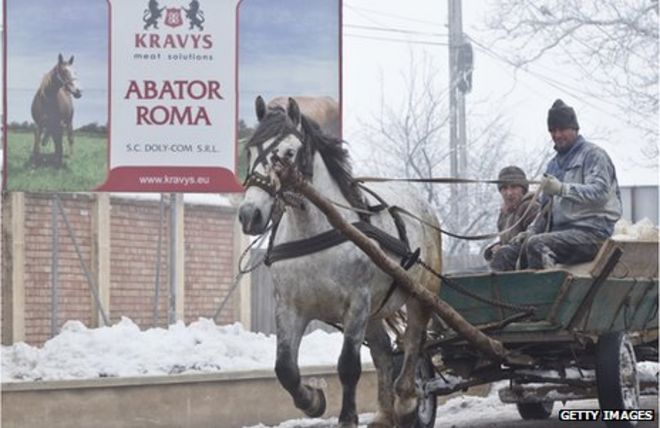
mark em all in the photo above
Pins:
pixel 209 263
pixel 134 227
pixel 74 300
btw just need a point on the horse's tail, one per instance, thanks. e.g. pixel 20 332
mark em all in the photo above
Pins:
pixel 200 15
pixel 145 15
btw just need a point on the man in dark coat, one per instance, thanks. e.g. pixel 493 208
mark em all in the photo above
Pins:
pixel 581 185
pixel 518 210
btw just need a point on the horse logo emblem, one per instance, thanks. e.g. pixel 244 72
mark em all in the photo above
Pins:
pixel 195 15
pixel 152 14
pixel 173 17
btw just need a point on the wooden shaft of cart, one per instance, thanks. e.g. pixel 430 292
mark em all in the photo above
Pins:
pixel 494 349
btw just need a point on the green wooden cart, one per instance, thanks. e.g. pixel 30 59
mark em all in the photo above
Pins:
pixel 577 331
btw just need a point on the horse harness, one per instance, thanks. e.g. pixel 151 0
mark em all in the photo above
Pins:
pixel 399 246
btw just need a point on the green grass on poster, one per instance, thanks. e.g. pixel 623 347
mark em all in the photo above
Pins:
pixel 83 171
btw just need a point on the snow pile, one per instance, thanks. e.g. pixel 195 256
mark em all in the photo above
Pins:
pixel 643 230
pixel 124 350
pixel 455 410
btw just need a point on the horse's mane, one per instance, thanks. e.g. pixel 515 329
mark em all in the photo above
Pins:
pixel 47 81
pixel 277 123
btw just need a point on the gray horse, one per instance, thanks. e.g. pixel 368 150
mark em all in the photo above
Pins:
pixel 338 285
pixel 52 108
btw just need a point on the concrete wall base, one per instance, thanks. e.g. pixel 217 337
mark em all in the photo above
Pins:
pixel 184 401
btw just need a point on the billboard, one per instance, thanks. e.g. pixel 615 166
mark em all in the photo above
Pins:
pixel 153 95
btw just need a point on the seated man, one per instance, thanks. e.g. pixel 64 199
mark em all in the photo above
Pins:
pixel 581 186
pixel 518 208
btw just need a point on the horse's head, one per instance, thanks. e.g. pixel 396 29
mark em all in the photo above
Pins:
pixel 66 75
pixel 279 134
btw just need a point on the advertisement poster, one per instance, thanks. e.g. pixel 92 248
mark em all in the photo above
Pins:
pixel 154 95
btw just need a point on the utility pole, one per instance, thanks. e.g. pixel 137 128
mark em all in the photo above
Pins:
pixel 460 81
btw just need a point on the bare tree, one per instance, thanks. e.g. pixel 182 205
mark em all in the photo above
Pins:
pixel 614 43
pixel 411 140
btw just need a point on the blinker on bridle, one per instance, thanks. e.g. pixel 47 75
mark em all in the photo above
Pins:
pixel 265 182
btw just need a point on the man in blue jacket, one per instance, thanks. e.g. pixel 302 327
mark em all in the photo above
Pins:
pixel 581 201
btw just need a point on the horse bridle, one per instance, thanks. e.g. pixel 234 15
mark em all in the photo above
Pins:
pixel 268 183
pixel 62 81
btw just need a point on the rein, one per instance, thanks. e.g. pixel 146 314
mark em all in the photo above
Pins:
pixel 449 180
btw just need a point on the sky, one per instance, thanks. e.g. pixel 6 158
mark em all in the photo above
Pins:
pixel 373 65
pixel 61 28
pixel 288 47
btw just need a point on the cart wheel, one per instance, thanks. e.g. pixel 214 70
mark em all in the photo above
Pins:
pixel 426 405
pixel 535 410
pixel 616 375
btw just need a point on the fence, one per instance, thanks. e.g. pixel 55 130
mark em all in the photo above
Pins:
pixel 100 255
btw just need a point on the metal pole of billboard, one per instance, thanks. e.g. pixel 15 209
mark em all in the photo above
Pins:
pixel 55 255
pixel 171 310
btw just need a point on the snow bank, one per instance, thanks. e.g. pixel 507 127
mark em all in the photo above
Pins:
pixel 124 350
pixel 643 230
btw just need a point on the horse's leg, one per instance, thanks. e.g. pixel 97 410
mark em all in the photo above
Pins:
pixel 57 140
pixel 405 401
pixel 349 366
pixel 36 149
pixel 69 136
pixel 381 353
pixel 290 328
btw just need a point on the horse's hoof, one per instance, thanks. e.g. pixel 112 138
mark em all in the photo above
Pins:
pixel 382 420
pixel 379 424
pixel 406 421
pixel 349 424
pixel 317 407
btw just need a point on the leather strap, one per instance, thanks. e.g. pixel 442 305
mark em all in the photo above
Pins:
pixel 329 239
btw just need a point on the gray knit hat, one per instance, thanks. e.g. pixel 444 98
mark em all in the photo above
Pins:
pixel 514 176
pixel 562 116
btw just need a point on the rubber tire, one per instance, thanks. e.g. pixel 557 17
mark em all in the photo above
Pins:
pixel 612 350
pixel 426 407
pixel 535 411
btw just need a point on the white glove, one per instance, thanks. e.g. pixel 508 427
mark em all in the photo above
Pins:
pixel 550 185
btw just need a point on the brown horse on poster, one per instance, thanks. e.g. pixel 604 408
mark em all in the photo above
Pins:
pixel 323 110
pixel 52 110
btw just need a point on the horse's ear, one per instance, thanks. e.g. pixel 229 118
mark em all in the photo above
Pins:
pixel 71 60
pixel 60 59
pixel 260 107
pixel 293 111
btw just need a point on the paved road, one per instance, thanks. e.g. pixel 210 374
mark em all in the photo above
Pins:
pixel 510 419
pixel 483 413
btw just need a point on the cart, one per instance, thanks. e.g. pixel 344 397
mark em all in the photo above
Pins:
pixel 576 332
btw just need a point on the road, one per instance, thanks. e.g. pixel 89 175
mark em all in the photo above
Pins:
pixel 488 412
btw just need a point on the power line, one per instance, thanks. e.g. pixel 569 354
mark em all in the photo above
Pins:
pixel 572 91
pixel 389 15
pixel 395 30
pixel 387 39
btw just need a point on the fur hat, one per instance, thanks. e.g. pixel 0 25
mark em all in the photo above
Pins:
pixel 514 176
pixel 562 116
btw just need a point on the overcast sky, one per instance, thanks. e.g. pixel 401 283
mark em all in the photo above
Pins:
pixel 372 64
pixel 375 61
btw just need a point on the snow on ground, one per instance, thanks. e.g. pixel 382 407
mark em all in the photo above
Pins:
pixel 123 350
pixel 459 409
